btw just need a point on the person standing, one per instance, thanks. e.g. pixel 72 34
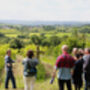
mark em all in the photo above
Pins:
pixel 75 53
pixel 30 70
pixel 86 68
pixel 9 71
pixel 78 71
pixel 64 63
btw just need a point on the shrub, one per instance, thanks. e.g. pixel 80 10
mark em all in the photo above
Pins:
pixel 41 72
pixel 74 42
pixel 16 44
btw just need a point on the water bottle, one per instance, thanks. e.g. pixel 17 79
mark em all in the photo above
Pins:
pixel 52 80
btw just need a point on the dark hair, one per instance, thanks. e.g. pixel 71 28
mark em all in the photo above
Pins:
pixel 8 51
pixel 30 54
pixel 81 54
pixel 77 56
pixel 89 50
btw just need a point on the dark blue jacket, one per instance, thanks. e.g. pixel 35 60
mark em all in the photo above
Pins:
pixel 8 60
pixel 78 69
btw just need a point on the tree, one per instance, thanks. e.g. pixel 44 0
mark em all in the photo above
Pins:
pixel 49 27
pixel 45 42
pixel 36 40
pixel 23 36
pixel 2 35
pixel 83 37
pixel 74 42
pixel 16 44
pixel 75 32
pixel 54 40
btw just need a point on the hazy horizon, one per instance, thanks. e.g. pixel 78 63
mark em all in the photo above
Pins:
pixel 34 23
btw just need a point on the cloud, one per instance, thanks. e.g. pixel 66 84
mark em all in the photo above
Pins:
pixel 62 10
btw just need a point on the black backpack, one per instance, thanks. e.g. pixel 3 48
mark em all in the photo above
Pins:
pixel 29 70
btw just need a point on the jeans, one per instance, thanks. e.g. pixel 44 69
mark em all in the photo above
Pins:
pixel 62 82
pixel 29 83
pixel 9 75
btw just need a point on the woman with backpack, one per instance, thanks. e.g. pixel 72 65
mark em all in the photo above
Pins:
pixel 30 70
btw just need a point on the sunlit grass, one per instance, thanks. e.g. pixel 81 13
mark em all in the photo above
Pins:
pixel 11 35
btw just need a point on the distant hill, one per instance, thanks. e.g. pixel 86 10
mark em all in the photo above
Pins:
pixel 35 23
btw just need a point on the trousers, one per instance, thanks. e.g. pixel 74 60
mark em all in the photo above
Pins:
pixel 9 75
pixel 29 83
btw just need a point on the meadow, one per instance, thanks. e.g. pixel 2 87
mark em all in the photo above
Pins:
pixel 49 39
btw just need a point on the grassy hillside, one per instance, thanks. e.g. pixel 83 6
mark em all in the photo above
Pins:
pixel 18 72
pixel 50 40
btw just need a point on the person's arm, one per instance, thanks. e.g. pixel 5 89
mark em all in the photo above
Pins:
pixel 72 66
pixel 54 72
pixel 7 61
pixel 36 61
pixel 72 62
pixel 23 62
pixel 10 60
pixel 13 61
pixel 56 66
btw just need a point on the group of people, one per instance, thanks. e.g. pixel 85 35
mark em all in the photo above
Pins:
pixel 72 69
pixel 29 71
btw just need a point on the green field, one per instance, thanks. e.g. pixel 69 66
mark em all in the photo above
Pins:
pixel 50 40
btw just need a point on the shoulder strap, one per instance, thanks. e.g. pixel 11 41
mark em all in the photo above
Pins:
pixel 65 57
pixel 28 64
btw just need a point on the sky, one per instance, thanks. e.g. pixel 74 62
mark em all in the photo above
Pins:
pixel 45 10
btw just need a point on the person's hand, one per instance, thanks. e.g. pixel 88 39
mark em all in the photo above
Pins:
pixel 8 65
pixel 72 72
pixel 54 73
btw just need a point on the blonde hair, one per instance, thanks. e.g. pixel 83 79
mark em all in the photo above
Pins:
pixel 65 47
